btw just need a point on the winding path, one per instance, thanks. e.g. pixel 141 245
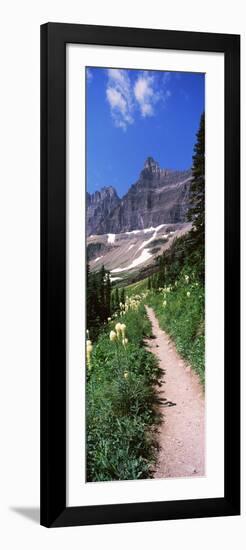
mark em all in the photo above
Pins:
pixel 182 434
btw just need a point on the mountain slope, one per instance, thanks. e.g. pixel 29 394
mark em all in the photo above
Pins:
pixel 159 196
pixel 131 255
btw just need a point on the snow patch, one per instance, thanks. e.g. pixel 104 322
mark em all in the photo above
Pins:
pixel 147 230
pixel 111 238
pixel 134 232
pixel 98 258
pixel 144 256
pixel 156 229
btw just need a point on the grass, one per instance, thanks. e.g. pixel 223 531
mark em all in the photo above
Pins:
pixel 180 311
pixel 121 400
pixel 136 288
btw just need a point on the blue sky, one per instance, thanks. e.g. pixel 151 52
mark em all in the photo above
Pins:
pixel 133 114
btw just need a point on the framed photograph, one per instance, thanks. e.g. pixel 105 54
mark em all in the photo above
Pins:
pixel 140 275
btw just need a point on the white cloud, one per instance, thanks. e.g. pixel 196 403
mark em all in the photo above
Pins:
pixel 145 95
pixel 116 100
pixel 149 90
pixel 119 97
pixel 126 97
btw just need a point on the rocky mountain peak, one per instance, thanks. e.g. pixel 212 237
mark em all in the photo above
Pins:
pixel 111 191
pixel 151 165
pixel 104 194
pixel 159 196
pixel 151 169
pixel 99 206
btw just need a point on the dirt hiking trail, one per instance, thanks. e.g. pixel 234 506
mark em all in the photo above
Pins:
pixel 181 435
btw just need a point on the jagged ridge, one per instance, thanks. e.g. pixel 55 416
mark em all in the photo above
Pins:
pixel 159 196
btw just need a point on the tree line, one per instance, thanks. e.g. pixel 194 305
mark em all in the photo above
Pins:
pixel 102 300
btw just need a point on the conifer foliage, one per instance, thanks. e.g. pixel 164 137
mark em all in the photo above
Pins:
pixel 196 212
pixel 98 299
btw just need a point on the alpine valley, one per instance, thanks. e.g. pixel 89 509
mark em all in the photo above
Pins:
pixel 127 234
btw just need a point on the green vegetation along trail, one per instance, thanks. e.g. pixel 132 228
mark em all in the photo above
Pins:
pixel 182 434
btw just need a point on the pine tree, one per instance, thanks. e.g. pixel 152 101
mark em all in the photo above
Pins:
pixel 113 302
pixel 88 294
pixel 102 294
pixel 108 294
pixel 117 301
pixel 122 296
pixel 98 294
pixel 196 212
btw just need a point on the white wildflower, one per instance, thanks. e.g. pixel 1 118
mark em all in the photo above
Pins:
pixel 112 336
pixel 123 329
pixel 118 329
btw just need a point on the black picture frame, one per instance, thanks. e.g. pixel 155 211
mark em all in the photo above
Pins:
pixel 54 37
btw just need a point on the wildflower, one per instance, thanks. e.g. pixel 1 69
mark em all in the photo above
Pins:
pixel 126 374
pixel 118 329
pixel 87 334
pixel 125 342
pixel 89 348
pixel 112 336
pixel 109 319
pixel 123 329
pixel 188 294
pixel 187 278
pixel 164 303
